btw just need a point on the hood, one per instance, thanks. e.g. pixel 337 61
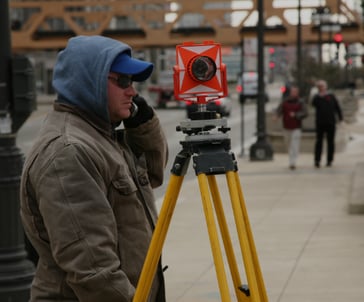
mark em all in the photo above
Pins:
pixel 80 73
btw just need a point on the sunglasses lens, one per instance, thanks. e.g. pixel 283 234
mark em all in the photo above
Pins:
pixel 124 81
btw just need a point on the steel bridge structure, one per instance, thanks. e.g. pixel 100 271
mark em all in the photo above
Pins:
pixel 47 25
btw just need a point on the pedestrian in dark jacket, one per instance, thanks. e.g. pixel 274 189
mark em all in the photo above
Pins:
pixel 87 201
pixel 328 112
pixel 292 110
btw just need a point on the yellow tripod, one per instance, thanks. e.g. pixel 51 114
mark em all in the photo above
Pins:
pixel 211 156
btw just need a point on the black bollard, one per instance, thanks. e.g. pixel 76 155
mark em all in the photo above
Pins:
pixel 16 271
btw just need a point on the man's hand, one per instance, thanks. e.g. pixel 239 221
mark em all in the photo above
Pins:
pixel 143 113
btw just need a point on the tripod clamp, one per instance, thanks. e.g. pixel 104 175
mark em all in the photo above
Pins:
pixel 198 126
pixel 211 150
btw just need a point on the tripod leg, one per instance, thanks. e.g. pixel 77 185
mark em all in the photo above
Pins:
pixel 214 240
pixel 158 238
pixel 219 209
pixel 261 285
pixel 247 245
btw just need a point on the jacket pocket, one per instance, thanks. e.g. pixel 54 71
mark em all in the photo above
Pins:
pixel 127 207
pixel 124 185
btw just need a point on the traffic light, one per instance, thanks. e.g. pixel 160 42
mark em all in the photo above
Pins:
pixel 272 57
pixel 338 38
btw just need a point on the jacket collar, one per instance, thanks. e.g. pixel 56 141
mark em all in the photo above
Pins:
pixel 93 120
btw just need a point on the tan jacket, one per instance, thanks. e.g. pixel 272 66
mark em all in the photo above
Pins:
pixel 87 206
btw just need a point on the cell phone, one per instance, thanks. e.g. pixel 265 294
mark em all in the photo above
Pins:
pixel 133 109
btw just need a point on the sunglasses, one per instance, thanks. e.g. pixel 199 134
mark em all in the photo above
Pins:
pixel 122 80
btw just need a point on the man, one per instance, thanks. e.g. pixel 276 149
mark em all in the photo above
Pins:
pixel 327 110
pixel 292 110
pixel 87 203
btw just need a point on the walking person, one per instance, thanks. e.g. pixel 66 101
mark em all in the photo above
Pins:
pixel 328 111
pixel 292 110
pixel 87 201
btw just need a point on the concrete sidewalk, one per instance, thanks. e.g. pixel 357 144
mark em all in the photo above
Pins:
pixel 309 247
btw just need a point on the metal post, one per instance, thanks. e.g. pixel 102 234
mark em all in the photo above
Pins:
pixel 299 51
pixel 16 272
pixel 261 149
pixel 242 125
pixel 242 101
pixel 320 45
pixel 5 56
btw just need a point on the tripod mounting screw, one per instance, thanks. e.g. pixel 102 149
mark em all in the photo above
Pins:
pixel 177 167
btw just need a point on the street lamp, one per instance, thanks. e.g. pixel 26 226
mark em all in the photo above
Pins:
pixel 261 150
pixel 321 16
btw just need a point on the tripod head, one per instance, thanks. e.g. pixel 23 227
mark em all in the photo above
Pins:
pixel 208 142
pixel 199 127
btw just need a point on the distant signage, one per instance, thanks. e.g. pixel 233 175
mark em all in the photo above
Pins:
pixel 250 47
pixel 331 28
pixel 250 54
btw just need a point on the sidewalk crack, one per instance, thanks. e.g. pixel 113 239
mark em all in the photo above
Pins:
pixel 298 260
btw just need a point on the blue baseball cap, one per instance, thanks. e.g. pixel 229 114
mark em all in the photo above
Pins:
pixel 138 69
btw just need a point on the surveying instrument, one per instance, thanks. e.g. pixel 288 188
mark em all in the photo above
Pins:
pixel 200 74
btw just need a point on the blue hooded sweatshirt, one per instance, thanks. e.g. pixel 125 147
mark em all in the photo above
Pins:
pixel 81 70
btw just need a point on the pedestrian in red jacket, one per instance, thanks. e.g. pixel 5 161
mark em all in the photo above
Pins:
pixel 292 111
